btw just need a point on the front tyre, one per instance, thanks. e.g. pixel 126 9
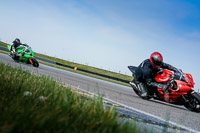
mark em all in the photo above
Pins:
pixel 35 63
pixel 193 103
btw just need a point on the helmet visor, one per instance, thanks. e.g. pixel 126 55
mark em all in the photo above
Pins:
pixel 157 62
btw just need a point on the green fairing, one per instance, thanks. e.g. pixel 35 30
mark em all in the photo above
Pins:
pixel 27 54
pixel 9 47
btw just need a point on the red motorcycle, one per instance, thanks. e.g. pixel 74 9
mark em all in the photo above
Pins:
pixel 180 89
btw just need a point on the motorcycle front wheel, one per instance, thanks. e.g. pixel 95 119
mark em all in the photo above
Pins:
pixel 35 63
pixel 193 103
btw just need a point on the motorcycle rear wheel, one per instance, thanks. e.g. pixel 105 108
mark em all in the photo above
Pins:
pixel 194 103
pixel 14 57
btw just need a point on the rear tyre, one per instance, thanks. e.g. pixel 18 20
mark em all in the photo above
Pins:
pixel 193 103
pixel 14 57
pixel 35 63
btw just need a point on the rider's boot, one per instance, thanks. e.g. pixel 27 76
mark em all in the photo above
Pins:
pixel 133 84
pixel 143 90
pixel 141 87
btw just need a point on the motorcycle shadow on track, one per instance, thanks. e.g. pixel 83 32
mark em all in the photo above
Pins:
pixel 159 102
pixel 168 104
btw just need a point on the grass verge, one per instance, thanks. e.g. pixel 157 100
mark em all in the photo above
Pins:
pixel 83 73
pixel 29 103
pixel 86 67
pixel 4 52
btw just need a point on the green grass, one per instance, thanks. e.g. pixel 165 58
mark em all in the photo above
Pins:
pixel 84 73
pixel 85 67
pixel 5 52
pixel 59 110
pixel 3 44
pixel 88 68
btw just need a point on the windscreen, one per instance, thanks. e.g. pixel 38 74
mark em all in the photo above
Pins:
pixel 179 76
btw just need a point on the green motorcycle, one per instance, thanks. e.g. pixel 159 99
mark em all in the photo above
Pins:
pixel 23 54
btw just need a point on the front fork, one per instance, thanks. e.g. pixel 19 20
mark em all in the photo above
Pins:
pixel 31 60
pixel 192 94
pixel 185 99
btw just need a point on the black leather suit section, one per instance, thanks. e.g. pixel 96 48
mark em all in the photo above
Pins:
pixel 145 73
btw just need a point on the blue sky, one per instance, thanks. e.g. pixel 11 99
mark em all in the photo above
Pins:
pixel 108 34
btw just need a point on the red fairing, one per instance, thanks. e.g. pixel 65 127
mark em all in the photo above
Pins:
pixel 181 87
pixel 162 76
pixel 190 79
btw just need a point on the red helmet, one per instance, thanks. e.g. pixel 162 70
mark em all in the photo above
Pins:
pixel 156 60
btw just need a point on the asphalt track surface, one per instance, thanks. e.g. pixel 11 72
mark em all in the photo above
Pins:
pixel 177 115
